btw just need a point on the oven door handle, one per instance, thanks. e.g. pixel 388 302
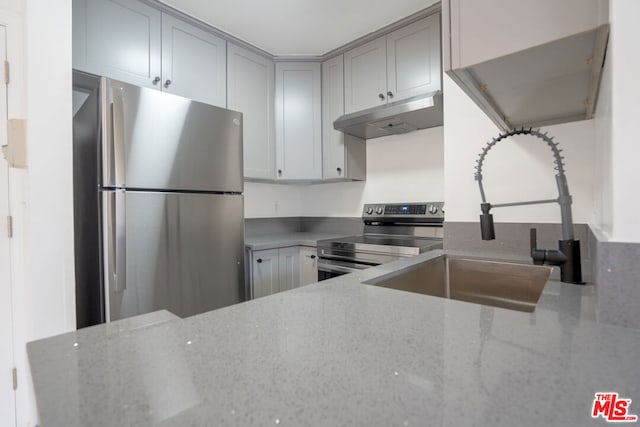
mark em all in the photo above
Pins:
pixel 340 268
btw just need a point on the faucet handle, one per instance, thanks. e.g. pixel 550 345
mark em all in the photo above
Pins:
pixel 538 255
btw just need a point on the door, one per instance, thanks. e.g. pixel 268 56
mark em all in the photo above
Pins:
pixel 266 276
pixel 194 62
pixel 413 59
pixel 250 91
pixel 298 120
pixel 155 140
pixel 289 268
pixel 7 394
pixel 365 76
pixel 332 108
pixel 119 39
pixel 183 252
pixel 308 265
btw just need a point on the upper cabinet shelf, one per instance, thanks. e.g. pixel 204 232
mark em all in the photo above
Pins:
pixel 527 63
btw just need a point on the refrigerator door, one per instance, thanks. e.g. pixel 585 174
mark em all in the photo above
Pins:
pixel 155 140
pixel 183 252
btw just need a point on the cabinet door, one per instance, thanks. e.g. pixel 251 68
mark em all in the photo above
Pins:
pixel 266 276
pixel 413 59
pixel 250 82
pixel 119 39
pixel 194 62
pixel 308 265
pixel 298 120
pixel 289 266
pixel 365 76
pixel 333 163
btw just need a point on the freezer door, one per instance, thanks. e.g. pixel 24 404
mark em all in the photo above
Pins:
pixel 183 252
pixel 156 140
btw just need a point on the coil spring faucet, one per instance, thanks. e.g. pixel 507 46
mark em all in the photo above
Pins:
pixel 568 254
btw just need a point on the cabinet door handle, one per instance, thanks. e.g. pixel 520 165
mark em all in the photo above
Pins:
pixel 167 83
pixel 156 80
pixel 339 170
pixel 259 260
pixel 390 94
pixel 279 172
pixel 312 257
pixel 381 96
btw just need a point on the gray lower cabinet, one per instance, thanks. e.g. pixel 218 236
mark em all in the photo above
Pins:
pixel 277 270
pixel 133 42
pixel 308 265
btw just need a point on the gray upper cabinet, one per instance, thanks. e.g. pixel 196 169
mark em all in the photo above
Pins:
pixel 118 39
pixel 250 86
pixel 343 156
pixel 298 121
pixel 402 64
pixel 133 42
pixel 531 72
pixel 193 62
pixel 413 59
pixel 365 76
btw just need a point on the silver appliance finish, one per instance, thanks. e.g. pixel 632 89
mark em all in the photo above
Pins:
pixel 392 231
pixel 163 210
pixel 418 112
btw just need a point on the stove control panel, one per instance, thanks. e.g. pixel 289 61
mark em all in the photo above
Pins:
pixel 425 212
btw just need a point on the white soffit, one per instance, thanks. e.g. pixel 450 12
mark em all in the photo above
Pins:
pixel 299 27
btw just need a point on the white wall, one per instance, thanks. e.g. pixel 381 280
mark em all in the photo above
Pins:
pixel 400 168
pixel 617 116
pixel 271 200
pixel 517 169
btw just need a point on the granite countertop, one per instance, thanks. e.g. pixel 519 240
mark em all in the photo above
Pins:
pixel 282 240
pixel 340 352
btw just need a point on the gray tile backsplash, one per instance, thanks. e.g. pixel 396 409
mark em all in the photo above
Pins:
pixel 338 225
pixel 513 239
pixel 617 275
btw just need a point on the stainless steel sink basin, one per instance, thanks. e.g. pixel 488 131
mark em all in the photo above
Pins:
pixel 495 283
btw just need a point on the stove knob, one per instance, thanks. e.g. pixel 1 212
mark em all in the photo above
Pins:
pixel 432 209
pixel 369 210
pixel 379 211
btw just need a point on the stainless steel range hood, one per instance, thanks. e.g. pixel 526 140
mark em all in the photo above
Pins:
pixel 407 115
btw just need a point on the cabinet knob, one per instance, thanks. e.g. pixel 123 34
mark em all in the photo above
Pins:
pixel 280 172
pixel 313 257
pixel 167 83
pixel 259 260
pixel 381 96
pixel 156 80
pixel 390 94
pixel 339 170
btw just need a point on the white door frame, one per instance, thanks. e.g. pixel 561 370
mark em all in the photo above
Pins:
pixel 7 355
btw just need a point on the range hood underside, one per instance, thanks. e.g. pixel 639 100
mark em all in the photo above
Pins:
pixel 420 112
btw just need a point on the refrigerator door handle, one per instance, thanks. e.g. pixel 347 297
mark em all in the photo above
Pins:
pixel 116 241
pixel 117 136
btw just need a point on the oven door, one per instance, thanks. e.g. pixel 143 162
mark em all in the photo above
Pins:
pixel 328 268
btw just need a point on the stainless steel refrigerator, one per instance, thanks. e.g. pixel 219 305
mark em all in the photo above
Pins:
pixel 158 203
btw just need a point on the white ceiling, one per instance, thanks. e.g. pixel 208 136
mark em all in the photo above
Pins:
pixel 299 27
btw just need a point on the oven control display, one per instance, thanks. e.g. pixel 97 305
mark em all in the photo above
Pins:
pixel 405 209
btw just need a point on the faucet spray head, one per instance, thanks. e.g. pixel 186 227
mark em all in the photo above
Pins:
pixel 486 222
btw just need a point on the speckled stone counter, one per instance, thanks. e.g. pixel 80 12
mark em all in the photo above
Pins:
pixel 283 240
pixel 341 353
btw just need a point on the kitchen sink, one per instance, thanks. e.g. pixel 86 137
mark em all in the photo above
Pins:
pixel 496 283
